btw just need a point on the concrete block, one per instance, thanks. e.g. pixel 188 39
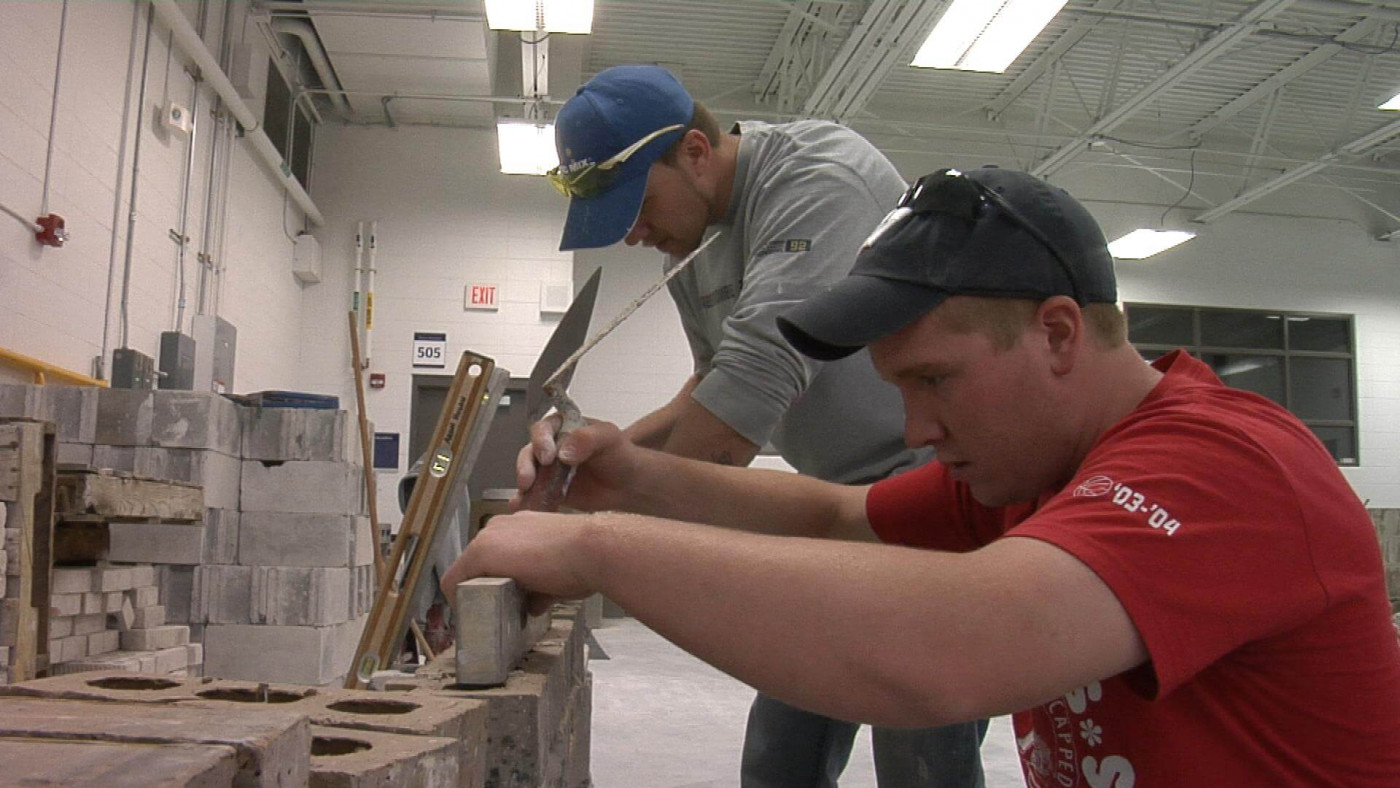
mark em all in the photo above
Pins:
pixel 126 617
pixel 21 401
pixel 115 458
pixel 176 593
pixel 155 638
pixel 71 580
pixel 94 603
pixel 196 420
pixel 361 759
pixel 89 623
pixel 75 454
pixel 156 543
pixel 4 657
pixel 124 417
pixel 282 539
pixel 112 578
pixel 148 594
pixel 60 626
pixel 148 617
pixel 73 411
pixel 365 544
pixel 295 434
pixel 116 764
pixel 493 629
pixel 169 660
pixel 104 642
pixel 66 604
pixel 194 654
pixel 300 596
pixel 221 595
pixel 112 601
pixel 217 473
pixel 68 649
pixel 301 487
pixel 294 655
pixel 273 746
pixel 221 536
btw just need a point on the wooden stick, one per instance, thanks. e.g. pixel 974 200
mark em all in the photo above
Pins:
pixel 366 455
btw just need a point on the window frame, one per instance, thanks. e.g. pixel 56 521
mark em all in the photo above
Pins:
pixel 1197 349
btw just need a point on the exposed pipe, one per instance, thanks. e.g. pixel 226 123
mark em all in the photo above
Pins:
pixel 314 50
pixel 101 365
pixel 369 290
pixel 184 239
pixel 53 109
pixel 193 47
pixel 135 183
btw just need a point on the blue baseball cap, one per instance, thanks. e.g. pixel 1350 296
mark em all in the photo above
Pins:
pixel 613 111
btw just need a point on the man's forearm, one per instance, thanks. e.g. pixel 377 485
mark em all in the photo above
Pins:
pixel 653 429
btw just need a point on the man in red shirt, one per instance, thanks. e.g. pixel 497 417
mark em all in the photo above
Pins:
pixel 1167 581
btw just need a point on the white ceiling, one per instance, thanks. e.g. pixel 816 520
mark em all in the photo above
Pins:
pixel 1261 106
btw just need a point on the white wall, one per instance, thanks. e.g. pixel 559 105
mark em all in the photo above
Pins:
pixel 446 217
pixel 53 301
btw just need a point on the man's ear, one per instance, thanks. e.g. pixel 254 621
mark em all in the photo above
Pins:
pixel 1062 323
pixel 696 151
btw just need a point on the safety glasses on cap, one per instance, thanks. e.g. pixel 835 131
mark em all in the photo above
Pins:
pixel 951 193
pixel 591 180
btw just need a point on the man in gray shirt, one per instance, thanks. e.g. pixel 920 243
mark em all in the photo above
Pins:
pixel 646 164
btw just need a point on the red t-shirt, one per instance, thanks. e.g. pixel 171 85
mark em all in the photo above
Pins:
pixel 1250 569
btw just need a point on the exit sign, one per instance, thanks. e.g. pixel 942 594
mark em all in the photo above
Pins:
pixel 483 296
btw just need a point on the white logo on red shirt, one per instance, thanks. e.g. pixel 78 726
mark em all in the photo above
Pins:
pixel 1093 487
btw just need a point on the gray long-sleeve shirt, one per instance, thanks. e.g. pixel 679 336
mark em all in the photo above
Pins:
pixel 805 196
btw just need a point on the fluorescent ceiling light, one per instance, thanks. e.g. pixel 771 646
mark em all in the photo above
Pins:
pixel 559 16
pixel 1392 103
pixel 526 148
pixel 1140 244
pixel 985 35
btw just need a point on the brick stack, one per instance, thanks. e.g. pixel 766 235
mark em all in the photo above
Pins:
pixel 110 618
pixel 277 579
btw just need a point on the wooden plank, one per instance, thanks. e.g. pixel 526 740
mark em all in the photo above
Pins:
pixel 118 496
pixel 26 443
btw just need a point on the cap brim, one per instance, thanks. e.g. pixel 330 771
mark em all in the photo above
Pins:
pixel 855 312
pixel 605 219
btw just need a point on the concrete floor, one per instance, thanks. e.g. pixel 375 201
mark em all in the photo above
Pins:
pixel 663 719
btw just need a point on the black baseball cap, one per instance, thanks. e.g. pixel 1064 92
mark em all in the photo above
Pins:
pixel 988 232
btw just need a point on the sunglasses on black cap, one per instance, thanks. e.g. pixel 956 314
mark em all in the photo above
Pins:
pixel 951 193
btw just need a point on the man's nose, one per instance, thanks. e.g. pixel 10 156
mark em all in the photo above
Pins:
pixel 922 429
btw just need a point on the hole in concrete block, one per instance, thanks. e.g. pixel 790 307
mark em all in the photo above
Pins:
pixel 373 706
pixel 272 463
pixel 260 695
pixel 122 683
pixel 327 745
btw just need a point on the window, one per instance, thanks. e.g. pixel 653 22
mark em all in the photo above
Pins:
pixel 278 117
pixel 1305 362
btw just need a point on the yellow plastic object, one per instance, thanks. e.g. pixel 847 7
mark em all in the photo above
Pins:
pixel 44 368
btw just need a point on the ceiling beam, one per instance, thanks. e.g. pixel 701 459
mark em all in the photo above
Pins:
pixel 789 68
pixel 1282 77
pixel 1048 58
pixel 865 58
pixel 1211 48
pixel 1356 147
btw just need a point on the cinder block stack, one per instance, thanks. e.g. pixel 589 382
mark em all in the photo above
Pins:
pixel 72 409
pixel 290 608
pixel 110 618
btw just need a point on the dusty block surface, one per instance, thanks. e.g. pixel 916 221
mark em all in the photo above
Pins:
pixel 359 759
pixel 195 420
pixel 94 764
pixel 272 746
pixel 494 629
pixel 300 596
pixel 111 685
pixel 124 417
pixel 221 536
pixel 294 655
pixel 294 434
pixel 291 539
pixel 156 543
pixel 301 487
pixel 221 595
pixel 155 639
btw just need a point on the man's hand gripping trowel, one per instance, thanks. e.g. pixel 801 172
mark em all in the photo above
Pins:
pixel 552 483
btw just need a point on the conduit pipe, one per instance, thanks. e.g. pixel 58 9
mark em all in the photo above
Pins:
pixel 312 44
pixel 193 46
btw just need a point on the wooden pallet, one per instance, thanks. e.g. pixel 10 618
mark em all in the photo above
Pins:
pixel 460 431
pixel 89 494
pixel 27 471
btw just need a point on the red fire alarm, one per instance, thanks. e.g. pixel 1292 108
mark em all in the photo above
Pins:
pixel 376 380
pixel 51 232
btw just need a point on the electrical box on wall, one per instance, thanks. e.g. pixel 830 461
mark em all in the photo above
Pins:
pixel 306 259
pixel 176 361
pixel 177 118
pixel 555 297
pixel 215 342
pixel 132 369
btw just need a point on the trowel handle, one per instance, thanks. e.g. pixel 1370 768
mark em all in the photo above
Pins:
pixel 552 484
